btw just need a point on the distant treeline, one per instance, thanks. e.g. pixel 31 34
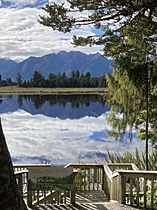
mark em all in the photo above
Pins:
pixel 76 79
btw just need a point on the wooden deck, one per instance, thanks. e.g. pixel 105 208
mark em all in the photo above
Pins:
pixel 84 201
pixel 70 207
pixel 93 186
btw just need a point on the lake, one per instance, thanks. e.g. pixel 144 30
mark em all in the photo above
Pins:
pixel 59 129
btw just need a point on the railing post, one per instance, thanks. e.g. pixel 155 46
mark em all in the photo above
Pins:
pixel 152 193
pixel 72 192
pixel 112 191
pixel 104 181
pixel 19 182
pixel 58 197
pixel 61 198
pixel 72 197
pixel 26 181
pixel 122 183
pixel 65 196
pixel 29 194
pixel 29 198
pixel 138 191
pixel 145 192
pixel 106 186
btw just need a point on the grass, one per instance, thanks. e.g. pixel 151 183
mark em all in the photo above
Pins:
pixel 20 90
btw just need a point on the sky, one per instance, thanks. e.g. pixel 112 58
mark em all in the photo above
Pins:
pixel 21 35
pixel 60 141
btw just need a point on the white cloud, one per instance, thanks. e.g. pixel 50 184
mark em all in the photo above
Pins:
pixel 22 36
pixel 58 1
pixel 62 141
pixel 21 3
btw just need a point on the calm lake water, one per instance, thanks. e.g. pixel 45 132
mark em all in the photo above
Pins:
pixel 59 129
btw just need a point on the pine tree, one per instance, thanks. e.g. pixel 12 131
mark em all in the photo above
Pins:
pixel 128 34
pixel 19 79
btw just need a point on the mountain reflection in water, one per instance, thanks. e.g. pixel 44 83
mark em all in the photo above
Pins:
pixel 61 106
pixel 59 129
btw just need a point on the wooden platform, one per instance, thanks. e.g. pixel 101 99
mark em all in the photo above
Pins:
pixel 89 206
pixel 87 186
pixel 84 201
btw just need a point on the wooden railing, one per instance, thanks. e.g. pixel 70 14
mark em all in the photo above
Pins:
pixel 88 177
pixel 109 182
pixel 124 183
pixel 46 195
pixel 125 166
pixel 132 186
pixel 50 190
pixel 135 188
pixel 22 181
pixel 21 174
pixel 37 196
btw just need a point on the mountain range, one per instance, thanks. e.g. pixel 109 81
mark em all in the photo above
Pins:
pixel 56 63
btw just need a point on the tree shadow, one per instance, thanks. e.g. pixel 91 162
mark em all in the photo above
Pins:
pixel 77 206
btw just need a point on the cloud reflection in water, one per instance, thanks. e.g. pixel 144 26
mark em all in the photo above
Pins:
pixel 39 138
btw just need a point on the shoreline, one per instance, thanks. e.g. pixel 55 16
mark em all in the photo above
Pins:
pixel 13 90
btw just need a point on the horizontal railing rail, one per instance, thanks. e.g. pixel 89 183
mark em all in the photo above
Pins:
pixel 118 166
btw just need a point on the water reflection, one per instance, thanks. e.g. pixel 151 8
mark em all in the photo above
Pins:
pixel 38 138
pixel 61 106
pixel 59 129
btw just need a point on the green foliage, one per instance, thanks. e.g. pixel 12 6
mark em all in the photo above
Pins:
pixel 128 97
pixel 154 197
pixel 18 79
pixel 126 104
pixel 71 182
pixel 113 17
pixel 152 135
pixel 59 183
pixel 37 79
pixel 57 14
pixel 137 159
pixel 80 181
pixel 61 80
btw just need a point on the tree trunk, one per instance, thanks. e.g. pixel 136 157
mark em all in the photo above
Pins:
pixel 10 196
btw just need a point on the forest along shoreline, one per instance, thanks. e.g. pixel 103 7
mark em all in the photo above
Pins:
pixel 36 91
